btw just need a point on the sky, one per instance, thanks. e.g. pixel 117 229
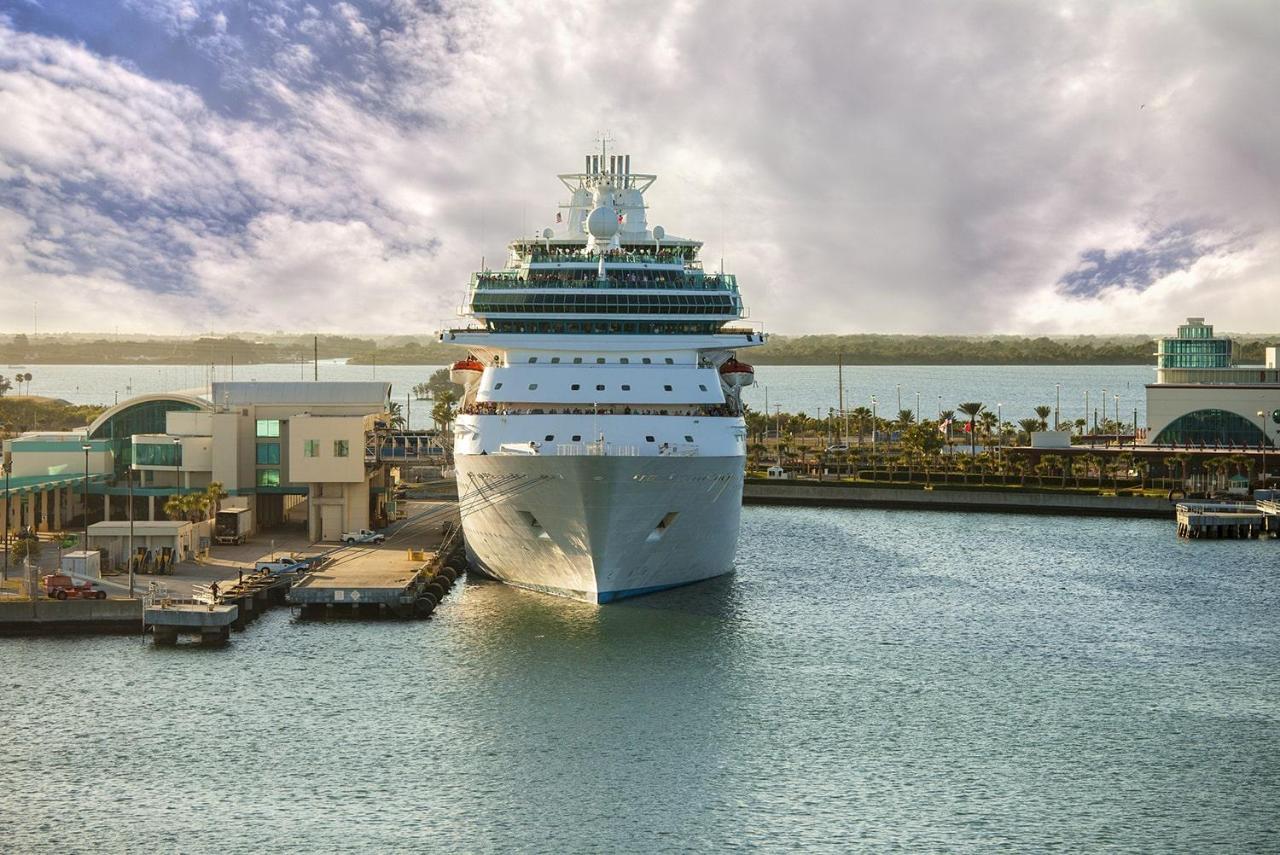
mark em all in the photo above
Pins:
pixel 178 166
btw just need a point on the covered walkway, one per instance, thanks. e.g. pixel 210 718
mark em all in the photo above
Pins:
pixel 43 502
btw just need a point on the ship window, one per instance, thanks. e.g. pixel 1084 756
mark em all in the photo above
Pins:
pixel 626 388
pixel 625 361
pixel 599 387
pixel 576 386
pixel 497 386
pixel 702 387
pixel 533 359
pixel 648 439
pixel 647 361
pixel 555 360
pixel 549 437
pixel 688 438
pixel 533 386
pixel 577 360
pixel 666 388
pixel 670 361
pixel 599 360
pixel 577 437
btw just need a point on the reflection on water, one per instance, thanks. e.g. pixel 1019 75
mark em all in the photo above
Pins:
pixel 866 679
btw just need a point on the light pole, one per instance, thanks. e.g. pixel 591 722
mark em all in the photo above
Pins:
pixel 1262 417
pixel 129 555
pixel 177 462
pixel 899 397
pixel 1117 420
pixel 999 424
pixel 1057 405
pixel 873 425
pixel 86 446
pixel 7 466
pixel 939 408
pixel 1086 410
pixel 918 406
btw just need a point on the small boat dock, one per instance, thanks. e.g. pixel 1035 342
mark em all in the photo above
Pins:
pixel 1229 520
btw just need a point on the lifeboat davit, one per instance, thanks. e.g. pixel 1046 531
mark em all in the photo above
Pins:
pixel 737 374
pixel 466 372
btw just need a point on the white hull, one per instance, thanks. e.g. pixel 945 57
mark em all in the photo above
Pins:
pixel 591 527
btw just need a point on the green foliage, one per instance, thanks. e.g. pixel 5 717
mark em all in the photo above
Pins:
pixel 24 547
pixel 23 414
pixel 443 410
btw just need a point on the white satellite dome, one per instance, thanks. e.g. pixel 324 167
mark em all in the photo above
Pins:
pixel 659 232
pixel 602 222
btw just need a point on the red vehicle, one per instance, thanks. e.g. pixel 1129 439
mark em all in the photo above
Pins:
pixel 59 586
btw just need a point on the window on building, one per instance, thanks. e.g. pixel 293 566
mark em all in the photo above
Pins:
pixel 533 386
pixel 533 359
pixel 626 388
pixel 549 437
pixel 666 388
pixel 268 454
pixel 577 360
pixel 577 437
pixel 341 448
pixel 670 361
pixel 268 427
pixel 268 477
pixel 599 360
pixel 599 387
pixel 625 361
pixel 576 386
pixel 647 361
pixel 555 360
pixel 311 448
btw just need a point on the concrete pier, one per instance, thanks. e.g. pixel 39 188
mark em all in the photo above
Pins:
pixel 42 616
pixel 1222 520
pixel 169 619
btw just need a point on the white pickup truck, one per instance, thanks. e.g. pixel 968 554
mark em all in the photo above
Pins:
pixel 284 564
pixel 362 536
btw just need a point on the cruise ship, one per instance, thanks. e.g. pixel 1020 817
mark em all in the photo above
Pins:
pixel 600 444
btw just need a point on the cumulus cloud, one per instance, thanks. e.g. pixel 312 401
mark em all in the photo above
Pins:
pixel 931 167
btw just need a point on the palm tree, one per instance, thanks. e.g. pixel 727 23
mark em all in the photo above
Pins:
pixel 1042 413
pixel 861 417
pixel 1029 426
pixel 971 409
pixel 396 411
pixel 905 419
pixel 214 494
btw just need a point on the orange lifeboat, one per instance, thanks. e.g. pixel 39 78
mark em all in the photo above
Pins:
pixel 467 371
pixel 737 374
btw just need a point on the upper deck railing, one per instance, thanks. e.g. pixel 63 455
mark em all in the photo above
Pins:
pixel 672 255
pixel 587 278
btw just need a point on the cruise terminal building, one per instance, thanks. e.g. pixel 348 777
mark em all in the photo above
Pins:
pixel 293 452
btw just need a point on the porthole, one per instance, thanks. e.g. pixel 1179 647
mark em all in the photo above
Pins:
pixel 575 387
pixel 599 387
pixel 555 360
pixel 688 438
pixel 549 437
pixel 647 361
pixel 666 388
pixel 533 359
pixel 497 386
pixel 599 360
pixel 533 386
pixel 626 388
pixel 648 439
pixel 577 360
pixel 670 361
pixel 577 437
pixel 625 361
pixel 702 387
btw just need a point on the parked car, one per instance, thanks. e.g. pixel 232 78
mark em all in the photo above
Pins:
pixel 285 564
pixel 364 535
pixel 60 586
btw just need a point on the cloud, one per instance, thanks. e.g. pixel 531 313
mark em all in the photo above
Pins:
pixel 863 167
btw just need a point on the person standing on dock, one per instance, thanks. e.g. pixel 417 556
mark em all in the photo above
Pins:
pixel 213 593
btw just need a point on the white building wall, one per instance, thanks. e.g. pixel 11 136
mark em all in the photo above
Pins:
pixel 1167 403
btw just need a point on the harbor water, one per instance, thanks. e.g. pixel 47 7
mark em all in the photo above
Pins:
pixel 865 680
pixel 1012 390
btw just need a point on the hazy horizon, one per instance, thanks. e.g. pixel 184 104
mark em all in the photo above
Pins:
pixel 907 169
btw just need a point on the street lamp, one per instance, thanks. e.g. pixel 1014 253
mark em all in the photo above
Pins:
pixel 1262 417
pixel 1057 405
pixel 177 461
pixel 999 424
pixel 7 466
pixel 873 425
pixel 86 446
